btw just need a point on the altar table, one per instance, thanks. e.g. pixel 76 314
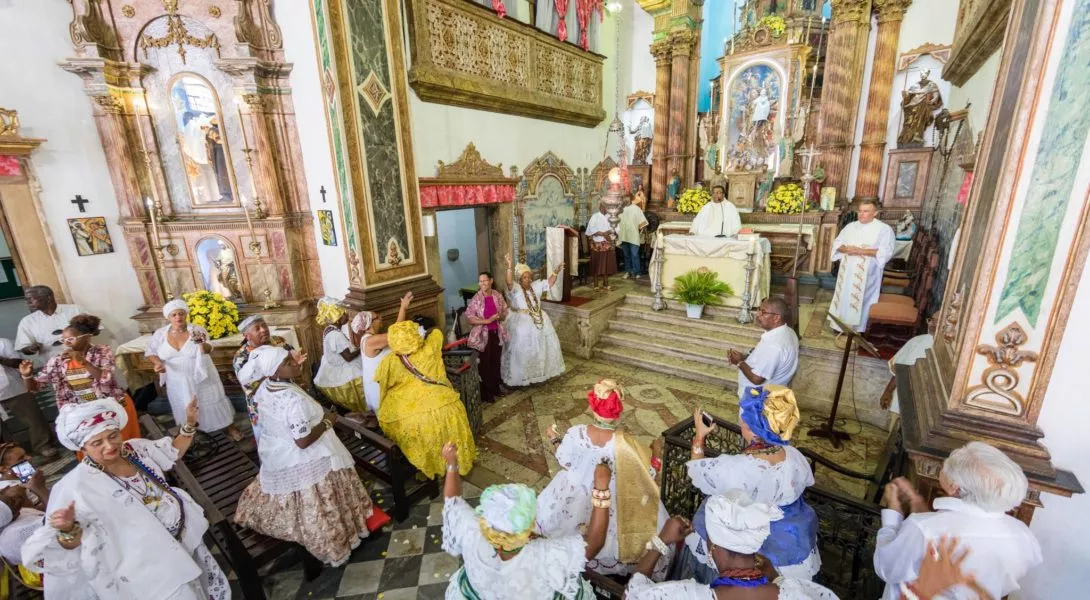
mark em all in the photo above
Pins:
pixel 138 371
pixel 725 256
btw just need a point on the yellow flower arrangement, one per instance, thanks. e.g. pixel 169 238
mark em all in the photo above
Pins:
pixel 775 24
pixel 213 312
pixel 693 200
pixel 786 199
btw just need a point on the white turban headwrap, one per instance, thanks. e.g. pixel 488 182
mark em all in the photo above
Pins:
pixel 263 362
pixel 520 269
pixel 77 423
pixel 362 321
pixel 173 305
pixel 248 321
pixel 6 515
pixel 739 524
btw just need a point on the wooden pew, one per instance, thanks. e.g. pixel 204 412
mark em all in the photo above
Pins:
pixel 215 476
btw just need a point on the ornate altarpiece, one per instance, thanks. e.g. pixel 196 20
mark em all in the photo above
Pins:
pixel 1023 249
pixel 194 109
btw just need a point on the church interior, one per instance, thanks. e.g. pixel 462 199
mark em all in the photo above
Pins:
pixel 277 152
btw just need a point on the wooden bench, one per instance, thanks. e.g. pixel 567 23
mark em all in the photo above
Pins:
pixel 12 586
pixel 215 472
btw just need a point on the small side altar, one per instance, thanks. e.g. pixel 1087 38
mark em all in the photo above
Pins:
pixel 727 257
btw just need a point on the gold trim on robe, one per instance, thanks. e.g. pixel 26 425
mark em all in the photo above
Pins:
pixel 637 497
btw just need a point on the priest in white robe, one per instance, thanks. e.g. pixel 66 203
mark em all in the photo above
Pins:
pixel 717 218
pixel 863 248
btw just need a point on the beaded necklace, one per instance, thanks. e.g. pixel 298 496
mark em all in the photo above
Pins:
pixel 603 424
pixel 533 306
pixel 148 496
pixel 742 577
pixel 759 446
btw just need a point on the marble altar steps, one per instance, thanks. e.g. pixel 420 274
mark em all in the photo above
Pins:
pixel 669 342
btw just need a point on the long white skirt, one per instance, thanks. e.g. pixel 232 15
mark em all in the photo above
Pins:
pixel 214 409
pixel 531 355
pixel 211 585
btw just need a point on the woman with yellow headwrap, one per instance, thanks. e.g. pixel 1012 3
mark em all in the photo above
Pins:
pixel 420 410
pixel 565 505
pixel 532 351
pixel 340 374
pixel 771 471
pixel 502 558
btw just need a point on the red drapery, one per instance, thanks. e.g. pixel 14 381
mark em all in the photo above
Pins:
pixel 562 12
pixel 9 165
pixel 583 10
pixel 440 196
pixel 501 10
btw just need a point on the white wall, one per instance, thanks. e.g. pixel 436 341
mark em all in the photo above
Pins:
pixel 457 230
pixel 52 105
pixel 978 90
pixel 308 95
pixel 637 27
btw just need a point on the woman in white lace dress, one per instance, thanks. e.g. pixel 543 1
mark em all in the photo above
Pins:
pixel 738 527
pixel 339 374
pixel 770 471
pixel 116 528
pixel 502 560
pixel 307 491
pixel 565 505
pixel 532 352
pixel 180 351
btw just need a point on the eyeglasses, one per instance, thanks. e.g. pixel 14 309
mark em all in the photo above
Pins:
pixel 70 340
pixel 762 311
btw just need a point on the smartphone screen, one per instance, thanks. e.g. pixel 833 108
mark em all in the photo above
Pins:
pixel 708 420
pixel 24 470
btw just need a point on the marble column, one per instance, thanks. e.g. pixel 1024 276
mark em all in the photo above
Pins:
pixel 876 120
pixel 680 67
pixel 661 51
pixel 841 88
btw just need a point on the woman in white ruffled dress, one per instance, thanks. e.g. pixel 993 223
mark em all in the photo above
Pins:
pixel 532 352
pixel 180 351
pixel 502 560
pixel 771 471
pixel 338 375
pixel 565 505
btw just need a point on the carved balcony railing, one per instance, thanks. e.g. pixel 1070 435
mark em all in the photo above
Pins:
pixel 463 55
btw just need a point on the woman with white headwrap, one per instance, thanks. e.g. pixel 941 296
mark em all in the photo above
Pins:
pixel 502 558
pixel 374 348
pixel 338 375
pixel 116 529
pixel 180 352
pixel 772 471
pixel 532 352
pixel 566 504
pixel 737 527
pixel 307 491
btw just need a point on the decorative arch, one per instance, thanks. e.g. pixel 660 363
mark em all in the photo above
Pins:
pixel 545 200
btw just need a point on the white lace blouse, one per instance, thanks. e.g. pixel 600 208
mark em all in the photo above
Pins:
pixel 542 568
pixel 642 588
pixel 779 484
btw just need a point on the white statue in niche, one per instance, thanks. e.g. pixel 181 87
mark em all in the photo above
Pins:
pixel 219 267
pixel 202 141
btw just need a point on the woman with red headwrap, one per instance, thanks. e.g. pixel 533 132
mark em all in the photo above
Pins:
pixel 635 510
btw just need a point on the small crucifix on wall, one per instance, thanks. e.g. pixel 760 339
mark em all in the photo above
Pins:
pixel 321 190
pixel 80 201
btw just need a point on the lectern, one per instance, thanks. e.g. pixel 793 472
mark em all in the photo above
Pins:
pixel 829 431
pixel 561 246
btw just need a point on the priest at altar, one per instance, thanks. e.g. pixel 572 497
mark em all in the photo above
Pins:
pixel 863 248
pixel 717 218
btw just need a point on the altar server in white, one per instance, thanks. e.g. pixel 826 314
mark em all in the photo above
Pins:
pixel 717 218
pixel 863 248
pixel 116 527
pixel 180 351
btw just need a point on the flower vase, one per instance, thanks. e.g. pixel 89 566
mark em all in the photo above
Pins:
pixel 694 311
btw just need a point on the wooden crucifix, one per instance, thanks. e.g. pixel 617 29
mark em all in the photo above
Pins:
pixel 321 190
pixel 80 201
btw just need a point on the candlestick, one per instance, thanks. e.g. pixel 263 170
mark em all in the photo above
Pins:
pixel 246 211
pixel 817 57
pixel 806 36
pixel 242 125
pixel 154 225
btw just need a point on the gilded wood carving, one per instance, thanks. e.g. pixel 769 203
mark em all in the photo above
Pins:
pixel 998 389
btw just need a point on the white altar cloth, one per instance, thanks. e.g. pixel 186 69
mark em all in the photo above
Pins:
pixel 726 256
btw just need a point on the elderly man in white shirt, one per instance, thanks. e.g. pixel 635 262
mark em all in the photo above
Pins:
pixel 40 332
pixel 982 484
pixel 776 357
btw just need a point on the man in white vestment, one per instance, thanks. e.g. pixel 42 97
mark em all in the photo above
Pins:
pixel 717 218
pixel 776 357
pixel 40 332
pixel 863 249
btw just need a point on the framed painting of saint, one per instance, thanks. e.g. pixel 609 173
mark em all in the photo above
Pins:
pixel 202 139
pixel 325 225
pixel 90 235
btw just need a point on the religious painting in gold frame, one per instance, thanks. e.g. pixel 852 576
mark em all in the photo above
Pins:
pixel 200 131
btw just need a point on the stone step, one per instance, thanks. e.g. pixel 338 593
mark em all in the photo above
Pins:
pixel 679 307
pixel 691 339
pixel 657 362
pixel 709 324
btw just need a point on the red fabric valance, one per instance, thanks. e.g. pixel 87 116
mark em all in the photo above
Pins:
pixel 583 10
pixel 9 165
pixel 562 12
pixel 442 196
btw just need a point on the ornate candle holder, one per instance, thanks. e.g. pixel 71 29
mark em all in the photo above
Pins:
pixel 744 315
pixel 657 260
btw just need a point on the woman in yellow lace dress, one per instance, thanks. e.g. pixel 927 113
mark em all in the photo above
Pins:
pixel 420 410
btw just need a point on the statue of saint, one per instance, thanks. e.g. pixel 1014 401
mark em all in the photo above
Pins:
pixel 223 278
pixel 906 227
pixel 918 105
pixel 718 179
pixel 643 135
pixel 673 189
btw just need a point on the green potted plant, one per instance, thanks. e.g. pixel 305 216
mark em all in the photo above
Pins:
pixel 699 288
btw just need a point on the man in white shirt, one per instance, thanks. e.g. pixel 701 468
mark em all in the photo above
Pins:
pixel 776 357
pixel 39 332
pixel 982 484
pixel 863 249
pixel 717 218
pixel 14 397
pixel 603 255
pixel 630 231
